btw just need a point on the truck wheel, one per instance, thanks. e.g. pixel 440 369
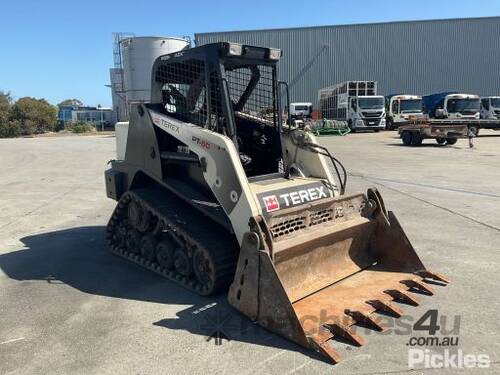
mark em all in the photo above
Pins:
pixel 416 139
pixel 441 141
pixel 451 141
pixel 351 126
pixel 406 137
pixel 376 130
pixel 389 125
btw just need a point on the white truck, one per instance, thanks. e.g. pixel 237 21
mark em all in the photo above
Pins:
pixel 356 102
pixel 301 110
pixel 402 109
pixel 490 108
pixel 452 105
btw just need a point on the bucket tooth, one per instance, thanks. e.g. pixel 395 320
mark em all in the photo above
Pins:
pixel 432 275
pixel 415 284
pixel 399 295
pixel 346 333
pixel 386 307
pixel 321 343
pixel 366 319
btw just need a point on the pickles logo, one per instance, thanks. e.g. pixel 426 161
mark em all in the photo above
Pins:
pixel 271 203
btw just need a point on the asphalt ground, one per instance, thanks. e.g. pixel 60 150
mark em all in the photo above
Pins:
pixel 67 306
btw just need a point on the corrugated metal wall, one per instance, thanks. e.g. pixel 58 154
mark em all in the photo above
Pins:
pixel 418 57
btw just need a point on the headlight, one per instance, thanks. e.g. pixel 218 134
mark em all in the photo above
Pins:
pixel 382 122
pixel 235 49
pixel 274 53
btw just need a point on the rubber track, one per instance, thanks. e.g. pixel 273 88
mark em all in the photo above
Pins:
pixel 190 226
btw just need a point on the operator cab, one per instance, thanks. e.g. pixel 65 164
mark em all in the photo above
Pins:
pixel 228 88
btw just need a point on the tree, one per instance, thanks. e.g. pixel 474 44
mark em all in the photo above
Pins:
pixel 5 104
pixel 7 128
pixel 33 115
pixel 70 102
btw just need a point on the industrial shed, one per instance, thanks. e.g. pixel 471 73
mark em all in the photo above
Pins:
pixel 419 57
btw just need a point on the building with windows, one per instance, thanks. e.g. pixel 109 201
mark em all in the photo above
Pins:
pixel 99 116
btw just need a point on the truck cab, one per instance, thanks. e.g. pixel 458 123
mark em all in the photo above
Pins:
pixel 452 105
pixel 461 106
pixel 401 109
pixel 490 108
pixel 366 112
pixel 301 110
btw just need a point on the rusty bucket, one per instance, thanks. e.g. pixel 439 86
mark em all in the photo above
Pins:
pixel 311 273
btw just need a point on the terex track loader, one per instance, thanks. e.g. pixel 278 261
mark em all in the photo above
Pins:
pixel 215 191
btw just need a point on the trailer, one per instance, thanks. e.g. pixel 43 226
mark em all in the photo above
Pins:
pixel 473 125
pixel 444 134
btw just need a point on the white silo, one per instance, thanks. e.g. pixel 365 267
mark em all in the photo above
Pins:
pixel 138 56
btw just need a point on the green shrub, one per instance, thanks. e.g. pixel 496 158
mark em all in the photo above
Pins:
pixel 10 129
pixel 80 127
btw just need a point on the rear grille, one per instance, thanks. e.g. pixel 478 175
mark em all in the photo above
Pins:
pixel 304 218
pixel 320 217
pixel 288 225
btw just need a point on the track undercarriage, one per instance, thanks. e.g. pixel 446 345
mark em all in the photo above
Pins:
pixel 152 228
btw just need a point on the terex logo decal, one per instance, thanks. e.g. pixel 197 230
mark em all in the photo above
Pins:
pixel 271 203
pixel 302 196
pixel 284 198
pixel 162 122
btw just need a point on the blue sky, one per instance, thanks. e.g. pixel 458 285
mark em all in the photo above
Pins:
pixel 63 49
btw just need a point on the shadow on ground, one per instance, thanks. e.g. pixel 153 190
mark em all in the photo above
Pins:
pixel 219 323
pixel 424 144
pixel 78 257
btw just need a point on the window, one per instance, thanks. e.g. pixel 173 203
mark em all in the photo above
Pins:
pixel 411 106
pixel 463 105
pixel 395 106
pixel 184 90
pixel 253 91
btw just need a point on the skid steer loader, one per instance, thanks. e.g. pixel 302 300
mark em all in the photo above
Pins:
pixel 216 193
